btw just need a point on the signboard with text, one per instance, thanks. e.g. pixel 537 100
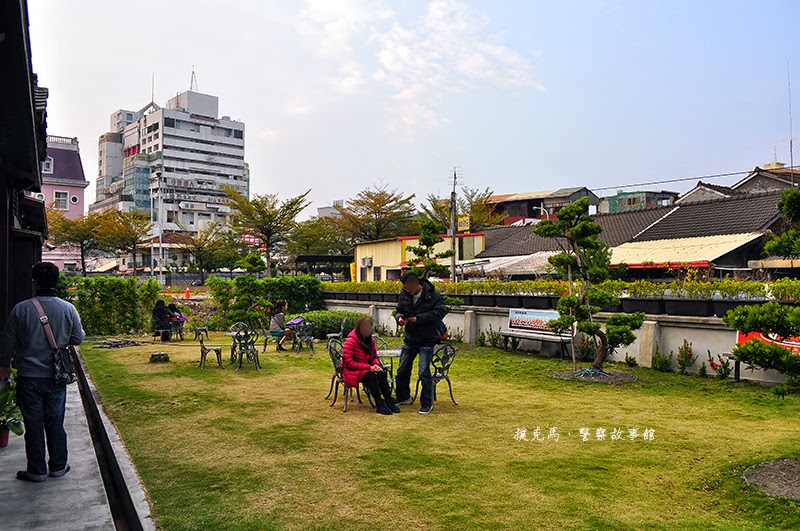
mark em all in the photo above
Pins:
pixel 791 343
pixel 530 319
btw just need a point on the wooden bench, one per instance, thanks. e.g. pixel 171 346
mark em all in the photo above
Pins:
pixel 532 324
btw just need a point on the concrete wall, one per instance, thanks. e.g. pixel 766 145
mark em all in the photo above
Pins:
pixel 666 331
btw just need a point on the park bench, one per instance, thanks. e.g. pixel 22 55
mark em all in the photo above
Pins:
pixel 532 324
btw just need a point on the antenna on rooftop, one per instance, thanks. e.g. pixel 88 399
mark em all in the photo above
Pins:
pixel 791 132
pixel 153 88
pixel 193 83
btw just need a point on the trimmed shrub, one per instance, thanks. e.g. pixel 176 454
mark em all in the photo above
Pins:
pixel 247 298
pixel 113 305
pixel 329 321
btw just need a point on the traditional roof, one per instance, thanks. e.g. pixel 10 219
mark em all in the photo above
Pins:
pixel 739 214
pixel 618 228
pixel 698 251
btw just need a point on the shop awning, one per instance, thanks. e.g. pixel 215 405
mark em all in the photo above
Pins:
pixel 681 252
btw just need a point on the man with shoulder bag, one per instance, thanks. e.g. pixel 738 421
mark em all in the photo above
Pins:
pixel 39 338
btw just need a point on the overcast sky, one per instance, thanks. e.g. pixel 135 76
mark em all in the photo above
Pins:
pixel 521 96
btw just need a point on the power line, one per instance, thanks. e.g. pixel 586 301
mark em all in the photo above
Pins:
pixel 681 179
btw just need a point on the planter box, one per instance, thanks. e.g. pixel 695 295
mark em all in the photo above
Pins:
pixel 508 301
pixel 390 297
pixel 612 309
pixel 483 300
pixel 328 295
pixel 466 298
pixel 722 307
pixel 351 296
pixel 376 297
pixel 651 306
pixel 362 296
pixel 690 307
pixel 538 302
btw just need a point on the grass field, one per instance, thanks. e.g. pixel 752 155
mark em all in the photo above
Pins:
pixel 224 450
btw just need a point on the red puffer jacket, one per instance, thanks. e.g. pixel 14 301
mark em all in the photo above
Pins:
pixel 356 361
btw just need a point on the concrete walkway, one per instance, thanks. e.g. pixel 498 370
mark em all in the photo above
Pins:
pixel 76 501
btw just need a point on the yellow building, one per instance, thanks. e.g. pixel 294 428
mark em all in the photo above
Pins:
pixel 385 259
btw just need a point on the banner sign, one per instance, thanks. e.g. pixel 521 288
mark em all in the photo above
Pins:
pixel 791 343
pixel 530 319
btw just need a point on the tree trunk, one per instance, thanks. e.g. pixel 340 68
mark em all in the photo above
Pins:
pixel 134 261
pixel 601 355
pixel 202 272
pixel 83 260
pixel 268 259
pixel 572 327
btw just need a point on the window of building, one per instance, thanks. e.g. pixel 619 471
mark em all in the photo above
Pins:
pixel 60 200
pixel 129 117
pixel 155 136
pixel 364 276
pixel 630 201
pixel 376 273
pixel 47 165
pixel 169 122
pixel 237 133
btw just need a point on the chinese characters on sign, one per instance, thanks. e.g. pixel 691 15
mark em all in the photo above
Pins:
pixel 585 434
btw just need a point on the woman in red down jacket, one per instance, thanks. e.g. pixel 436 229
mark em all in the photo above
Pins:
pixel 360 364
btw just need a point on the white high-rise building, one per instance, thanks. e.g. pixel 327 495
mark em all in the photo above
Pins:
pixel 174 160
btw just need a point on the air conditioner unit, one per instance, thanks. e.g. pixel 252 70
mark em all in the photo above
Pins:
pixel 366 262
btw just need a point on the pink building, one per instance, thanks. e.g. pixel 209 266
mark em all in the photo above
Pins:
pixel 63 185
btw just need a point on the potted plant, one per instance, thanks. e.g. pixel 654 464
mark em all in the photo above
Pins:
pixel 508 295
pixel 691 298
pixel 460 290
pixel 786 291
pixel 616 288
pixel 542 294
pixel 644 296
pixel 734 293
pixel 483 293
pixel 10 415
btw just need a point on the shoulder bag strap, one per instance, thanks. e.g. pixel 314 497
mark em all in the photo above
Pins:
pixel 48 331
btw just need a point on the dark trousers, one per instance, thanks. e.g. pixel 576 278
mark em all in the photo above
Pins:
pixel 42 406
pixel 377 384
pixel 403 379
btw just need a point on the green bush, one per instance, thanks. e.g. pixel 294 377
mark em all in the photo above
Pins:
pixel 329 321
pixel 113 305
pixel 248 299
pixel 661 362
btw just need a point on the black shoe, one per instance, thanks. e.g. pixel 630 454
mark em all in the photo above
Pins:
pixel 392 406
pixel 24 476
pixel 424 410
pixel 60 473
pixel 383 409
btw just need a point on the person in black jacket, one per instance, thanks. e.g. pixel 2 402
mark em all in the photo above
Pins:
pixel 161 320
pixel 420 308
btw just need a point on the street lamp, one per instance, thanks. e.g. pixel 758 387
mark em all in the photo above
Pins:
pixel 544 211
pixel 157 180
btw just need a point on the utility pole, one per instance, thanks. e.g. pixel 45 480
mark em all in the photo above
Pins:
pixel 453 227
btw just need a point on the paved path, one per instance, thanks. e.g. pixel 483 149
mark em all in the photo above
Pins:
pixel 76 501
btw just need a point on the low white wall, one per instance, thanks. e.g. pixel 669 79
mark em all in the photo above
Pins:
pixel 666 331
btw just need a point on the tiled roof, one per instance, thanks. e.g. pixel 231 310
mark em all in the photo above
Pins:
pixel 515 241
pixel 618 228
pixel 621 227
pixel 66 165
pixel 743 213
pixel 725 190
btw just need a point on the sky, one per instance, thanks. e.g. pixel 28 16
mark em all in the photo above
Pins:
pixel 340 95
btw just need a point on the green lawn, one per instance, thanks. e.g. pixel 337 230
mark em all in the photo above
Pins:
pixel 225 450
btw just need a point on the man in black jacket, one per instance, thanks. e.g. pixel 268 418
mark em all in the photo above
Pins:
pixel 419 308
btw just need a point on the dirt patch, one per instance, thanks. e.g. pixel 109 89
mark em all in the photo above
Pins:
pixel 780 477
pixel 585 375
